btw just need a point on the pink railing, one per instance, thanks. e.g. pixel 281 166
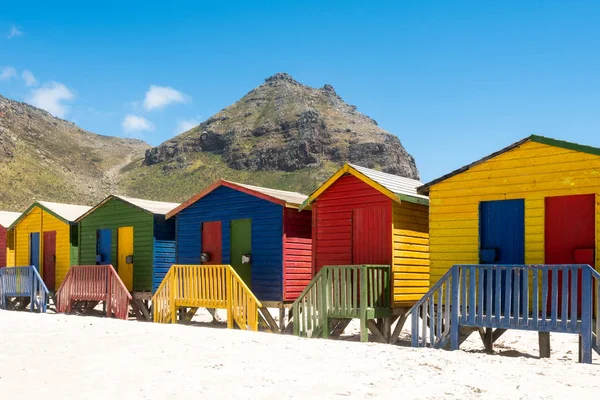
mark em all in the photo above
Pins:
pixel 94 283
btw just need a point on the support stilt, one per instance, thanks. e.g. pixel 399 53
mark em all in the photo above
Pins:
pixel 544 341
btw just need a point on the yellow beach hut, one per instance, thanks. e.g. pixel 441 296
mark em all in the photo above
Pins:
pixel 46 237
pixel 533 202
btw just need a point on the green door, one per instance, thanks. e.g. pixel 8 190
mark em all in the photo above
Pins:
pixel 241 245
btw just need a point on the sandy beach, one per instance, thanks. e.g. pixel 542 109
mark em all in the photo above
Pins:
pixel 71 357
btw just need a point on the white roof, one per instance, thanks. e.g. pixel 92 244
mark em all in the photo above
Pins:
pixel 69 212
pixel 288 197
pixel 393 183
pixel 155 207
pixel 8 217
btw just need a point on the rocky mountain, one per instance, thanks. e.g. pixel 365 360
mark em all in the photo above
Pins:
pixel 46 158
pixel 281 134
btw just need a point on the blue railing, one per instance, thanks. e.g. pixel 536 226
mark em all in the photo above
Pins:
pixel 23 282
pixel 543 298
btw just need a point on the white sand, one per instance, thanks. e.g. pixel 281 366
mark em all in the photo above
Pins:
pixel 70 357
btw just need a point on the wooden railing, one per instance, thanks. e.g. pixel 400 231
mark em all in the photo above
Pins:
pixel 94 283
pixel 208 286
pixel 543 298
pixel 430 316
pixel 596 311
pixel 349 291
pixel 23 282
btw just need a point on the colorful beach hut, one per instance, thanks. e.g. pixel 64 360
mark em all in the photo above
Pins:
pixel 364 216
pixel 7 238
pixel 132 235
pixel 46 236
pixel 256 230
pixel 511 235
pixel 533 202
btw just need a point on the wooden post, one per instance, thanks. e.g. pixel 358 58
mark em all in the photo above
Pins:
pixel 172 298
pixel 585 336
pixel 364 330
pixel 399 326
pixel 454 326
pixel 544 341
pixel 488 340
pixel 386 327
pixel 281 318
pixel 228 285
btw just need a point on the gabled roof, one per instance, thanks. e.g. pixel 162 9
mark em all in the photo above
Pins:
pixel 8 217
pixel 153 207
pixel 67 213
pixel 395 187
pixel 283 197
pixel 533 138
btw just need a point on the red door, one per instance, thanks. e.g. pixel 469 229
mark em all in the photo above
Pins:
pixel 371 239
pixel 49 264
pixel 212 242
pixel 569 236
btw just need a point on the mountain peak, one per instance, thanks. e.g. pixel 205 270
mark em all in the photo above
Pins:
pixel 284 126
pixel 281 77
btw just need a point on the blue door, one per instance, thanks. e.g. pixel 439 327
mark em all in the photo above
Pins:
pixel 34 250
pixel 103 246
pixel 501 238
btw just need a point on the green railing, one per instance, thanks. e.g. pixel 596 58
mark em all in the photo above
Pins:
pixel 342 292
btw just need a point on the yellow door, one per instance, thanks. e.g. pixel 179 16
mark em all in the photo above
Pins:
pixel 125 256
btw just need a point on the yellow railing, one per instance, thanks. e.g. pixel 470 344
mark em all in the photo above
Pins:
pixel 208 286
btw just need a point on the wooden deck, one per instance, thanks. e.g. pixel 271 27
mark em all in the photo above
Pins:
pixel 491 299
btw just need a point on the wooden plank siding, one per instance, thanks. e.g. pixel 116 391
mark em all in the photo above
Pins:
pixel 531 171
pixel 10 248
pixel 297 242
pixel 164 248
pixel 3 247
pixel 411 252
pixel 226 204
pixel 332 238
pixel 41 221
pixel 112 215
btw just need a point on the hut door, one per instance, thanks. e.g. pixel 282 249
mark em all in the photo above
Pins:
pixel 34 250
pixel 369 227
pixel 103 246
pixel 569 236
pixel 501 238
pixel 125 255
pixel 241 249
pixel 50 259
pixel 212 242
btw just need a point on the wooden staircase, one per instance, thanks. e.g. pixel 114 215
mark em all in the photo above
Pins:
pixel 490 299
pixel 189 287
pixel 22 287
pixel 89 285
pixel 338 294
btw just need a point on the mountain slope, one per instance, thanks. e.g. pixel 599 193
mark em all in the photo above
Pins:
pixel 46 158
pixel 282 134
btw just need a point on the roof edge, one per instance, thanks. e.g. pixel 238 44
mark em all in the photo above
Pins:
pixel 232 185
pixel 348 169
pixel 31 207
pixel 424 190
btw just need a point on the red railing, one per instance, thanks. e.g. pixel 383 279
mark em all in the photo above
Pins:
pixel 94 283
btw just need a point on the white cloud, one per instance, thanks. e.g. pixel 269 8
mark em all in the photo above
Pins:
pixel 14 32
pixel 158 97
pixel 186 124
pixel 7 73
pixel 28 77
pixel 135 123
pixel 51 97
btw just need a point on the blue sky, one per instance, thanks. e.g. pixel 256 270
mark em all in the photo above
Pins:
pixel 454 80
